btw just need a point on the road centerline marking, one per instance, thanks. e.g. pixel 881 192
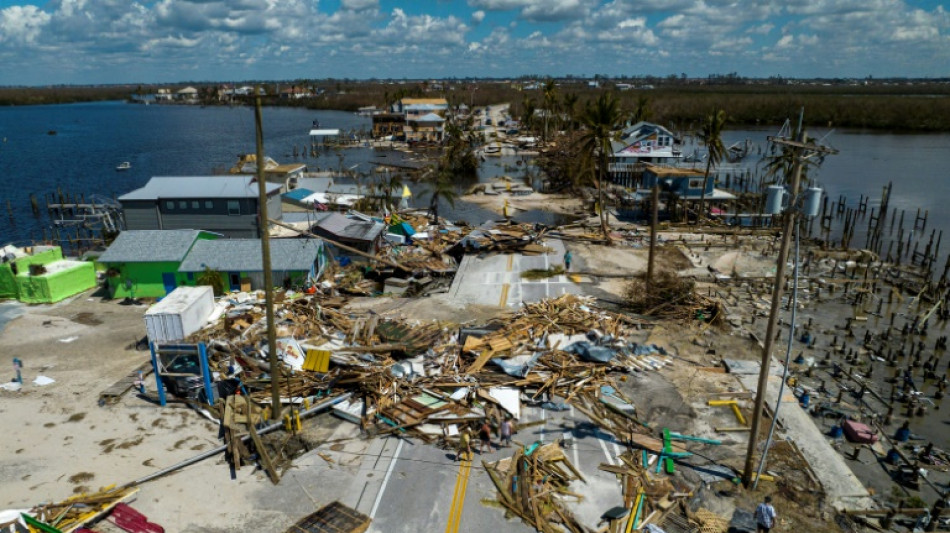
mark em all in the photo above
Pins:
pixel 458 497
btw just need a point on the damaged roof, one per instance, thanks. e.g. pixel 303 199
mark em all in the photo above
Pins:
pixel 148 246
pixel 244 255
pixel 342 226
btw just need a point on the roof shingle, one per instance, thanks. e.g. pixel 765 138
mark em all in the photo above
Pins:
pixel 244 255
pixel 148 246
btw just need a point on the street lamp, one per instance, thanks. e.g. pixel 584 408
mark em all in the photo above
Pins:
pixel 801 151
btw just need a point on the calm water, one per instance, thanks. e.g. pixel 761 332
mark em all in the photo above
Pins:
pixel 93 138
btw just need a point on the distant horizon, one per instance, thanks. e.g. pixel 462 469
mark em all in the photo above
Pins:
pixel 521 78
pixel 89 43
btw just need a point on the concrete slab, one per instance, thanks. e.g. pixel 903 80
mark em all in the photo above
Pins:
pixel 844 490
pixel 496 279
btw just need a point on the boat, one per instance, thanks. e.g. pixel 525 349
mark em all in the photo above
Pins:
pixel 125 165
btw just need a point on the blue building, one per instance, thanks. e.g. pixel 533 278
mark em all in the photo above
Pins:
pixel 686 183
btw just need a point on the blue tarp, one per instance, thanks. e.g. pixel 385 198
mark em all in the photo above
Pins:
pixel 591 352
pixel 517 366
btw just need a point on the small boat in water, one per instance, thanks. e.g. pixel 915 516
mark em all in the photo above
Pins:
pixel 125 165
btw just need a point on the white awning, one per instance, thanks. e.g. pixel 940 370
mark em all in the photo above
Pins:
pixel 324 133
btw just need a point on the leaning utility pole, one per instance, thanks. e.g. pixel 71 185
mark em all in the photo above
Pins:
pixel 264 228
pixel 654 207
pixel 801 149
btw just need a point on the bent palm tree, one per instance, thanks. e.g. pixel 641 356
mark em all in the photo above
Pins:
pixel 711 136
pixel 600 118
pixel 443 188
pixel 569 105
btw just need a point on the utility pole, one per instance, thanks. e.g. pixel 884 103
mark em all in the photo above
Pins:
pixel 800 148
pixel 264 227
pixel 654 207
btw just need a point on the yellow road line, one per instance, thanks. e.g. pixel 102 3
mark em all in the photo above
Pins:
pixel 511 260
pixel 503 301
pixel 458 497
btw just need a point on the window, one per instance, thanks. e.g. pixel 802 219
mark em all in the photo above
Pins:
pixel 209 204
pixel 234 207
pixel 696 183
pixel 169 205
pixel 182 205
pixel 191 276
pixel 194 204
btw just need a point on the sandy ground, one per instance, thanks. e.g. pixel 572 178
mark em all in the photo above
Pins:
pixel 555 203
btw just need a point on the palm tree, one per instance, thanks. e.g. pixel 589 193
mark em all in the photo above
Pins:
pixel 528 108
pixel 550 105
pixel 711 136
pixel 570 102
pixel 642 111
pixel 601 118
pixel 443 188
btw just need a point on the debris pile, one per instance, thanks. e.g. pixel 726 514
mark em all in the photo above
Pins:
pixel 531 484
pixel 428 380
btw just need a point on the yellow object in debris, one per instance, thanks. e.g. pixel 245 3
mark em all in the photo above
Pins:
pixel 317 361
pixel 731 403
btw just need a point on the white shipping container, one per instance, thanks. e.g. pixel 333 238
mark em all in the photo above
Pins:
pixel 181 313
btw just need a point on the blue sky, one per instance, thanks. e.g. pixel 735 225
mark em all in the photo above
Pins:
pixel 156 41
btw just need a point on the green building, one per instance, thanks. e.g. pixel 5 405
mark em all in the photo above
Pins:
pixel 144 263
pixel 40 274
pixel 238 261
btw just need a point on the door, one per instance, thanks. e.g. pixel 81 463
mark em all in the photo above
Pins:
pixel 235 281
pixel 168 280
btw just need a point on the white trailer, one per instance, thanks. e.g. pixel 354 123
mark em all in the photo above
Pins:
pixel 181 313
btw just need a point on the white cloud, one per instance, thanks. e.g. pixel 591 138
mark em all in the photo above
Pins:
pixel 84 40
pixel 22 24
pixel 539 10
pixel 359 5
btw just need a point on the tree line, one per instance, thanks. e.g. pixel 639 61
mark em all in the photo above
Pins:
pixel 893 107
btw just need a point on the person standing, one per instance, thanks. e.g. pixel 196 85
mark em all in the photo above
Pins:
pixel 765 516
pixel 567 261
pixel 505 432
pixel 484 436
pixel 465 446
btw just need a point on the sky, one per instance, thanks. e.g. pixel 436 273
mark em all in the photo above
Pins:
pixel 165 41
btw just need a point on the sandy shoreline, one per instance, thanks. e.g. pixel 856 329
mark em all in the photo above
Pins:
pixel 554 203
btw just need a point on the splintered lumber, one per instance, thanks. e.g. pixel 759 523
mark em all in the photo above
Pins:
pixel 481 361
pixel 654 445
pixel 261 451
pixel 75 511
pixel 530 484
pixel 115 392
pixel 332 518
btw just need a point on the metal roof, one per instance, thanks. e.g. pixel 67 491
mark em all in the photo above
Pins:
pixel 431 117
pixel 148 246
pixel 244 255
pixel 297 194
pixel 161 187
pixel 342 226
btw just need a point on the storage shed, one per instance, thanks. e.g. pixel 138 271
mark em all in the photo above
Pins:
pixel 181 313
